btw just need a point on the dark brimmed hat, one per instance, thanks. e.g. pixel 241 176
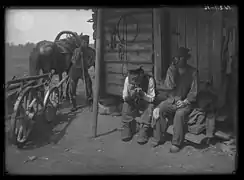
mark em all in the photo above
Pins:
pixel 85 37
pixel 182 52
pixel 135 70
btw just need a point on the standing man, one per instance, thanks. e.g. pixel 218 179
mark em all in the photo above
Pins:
pixel 89 57
pixel 83 58
pixel 182 79
pixel 138 95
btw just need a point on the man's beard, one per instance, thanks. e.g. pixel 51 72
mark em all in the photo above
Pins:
pixel 181 64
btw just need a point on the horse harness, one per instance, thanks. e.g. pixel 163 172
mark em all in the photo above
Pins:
pixel 64 47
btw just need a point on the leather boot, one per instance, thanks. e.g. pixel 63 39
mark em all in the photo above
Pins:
pixel 174 149
pixel 156 139
pixel 126 132
pixel 89 100
pixel 90 103
pixel 143 134
pixel 74 108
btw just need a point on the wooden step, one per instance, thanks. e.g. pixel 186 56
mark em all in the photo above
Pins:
pixel 188 136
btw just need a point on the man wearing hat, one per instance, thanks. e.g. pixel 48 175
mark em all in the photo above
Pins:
pixel 181 78
pixel 138 95
pixel 82 56
pixel 89 53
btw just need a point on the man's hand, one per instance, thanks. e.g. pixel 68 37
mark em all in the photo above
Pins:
pixel 186 102
pixel 180 104
pixel 139 92
pixel 133 93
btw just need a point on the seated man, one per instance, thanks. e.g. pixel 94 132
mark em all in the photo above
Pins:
pixel 182 79
pixel 138 95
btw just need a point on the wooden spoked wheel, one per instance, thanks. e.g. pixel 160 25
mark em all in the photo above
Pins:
pixel 25 109
pixel 51 103
pixel 69 34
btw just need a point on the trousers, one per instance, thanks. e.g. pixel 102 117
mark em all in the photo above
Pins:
pixel 75 74
pixel 130 111
pixel 168 109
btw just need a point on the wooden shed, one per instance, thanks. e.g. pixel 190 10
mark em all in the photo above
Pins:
pixel 148 37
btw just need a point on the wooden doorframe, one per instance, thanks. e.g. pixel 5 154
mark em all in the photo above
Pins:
pixel 161 42
pixel 157 44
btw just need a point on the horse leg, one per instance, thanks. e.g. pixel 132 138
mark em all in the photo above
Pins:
pixel 61 87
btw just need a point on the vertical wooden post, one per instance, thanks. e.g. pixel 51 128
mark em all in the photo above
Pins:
pixel 217 30
pixel 157 44
pixel 185 28
pixel 197 50
pixel 99 49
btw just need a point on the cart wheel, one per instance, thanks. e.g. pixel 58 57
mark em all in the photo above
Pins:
pixel 21 122
pixel 51 104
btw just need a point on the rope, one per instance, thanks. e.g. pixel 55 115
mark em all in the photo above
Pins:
pixel 123 41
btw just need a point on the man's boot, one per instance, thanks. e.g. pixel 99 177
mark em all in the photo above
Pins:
pixel 126 132
pixel 143 134
pixel 90 102
pixel 174 149
pixel 74 108
pixel 156 139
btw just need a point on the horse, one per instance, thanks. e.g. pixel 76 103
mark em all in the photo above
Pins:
pixel 48 55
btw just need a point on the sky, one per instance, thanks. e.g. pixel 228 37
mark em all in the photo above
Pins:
pixel 30 25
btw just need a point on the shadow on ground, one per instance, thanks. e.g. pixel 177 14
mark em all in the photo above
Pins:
pixel 107 133
pixel 203 145
pixel 45 133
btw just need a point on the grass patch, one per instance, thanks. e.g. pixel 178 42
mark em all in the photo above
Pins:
pixel 16 66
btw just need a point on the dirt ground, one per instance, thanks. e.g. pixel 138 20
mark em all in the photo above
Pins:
pixel 66 147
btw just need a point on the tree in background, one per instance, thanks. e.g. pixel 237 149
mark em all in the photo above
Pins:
pixel 22 50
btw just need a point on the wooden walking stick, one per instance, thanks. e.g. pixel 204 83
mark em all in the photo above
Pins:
pixel 83 75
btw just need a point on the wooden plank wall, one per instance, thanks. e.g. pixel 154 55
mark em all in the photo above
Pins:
pixel 139 52
pixel 166 41
pixel 183 33
pixel 182 28
pixel 216 63
pixel 157 45
pixel 204 46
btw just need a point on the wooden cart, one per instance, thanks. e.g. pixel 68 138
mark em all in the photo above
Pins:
pixel 28 97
